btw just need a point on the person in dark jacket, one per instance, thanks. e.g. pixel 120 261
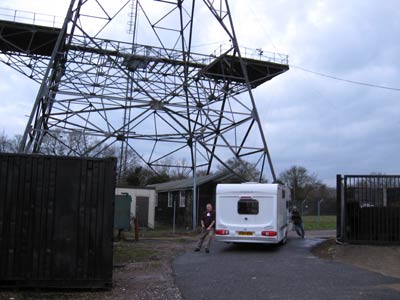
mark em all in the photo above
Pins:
pixel 207 226
pixel 298 223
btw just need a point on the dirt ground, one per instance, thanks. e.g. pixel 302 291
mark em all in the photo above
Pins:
pixel 380 259
pixel 142 270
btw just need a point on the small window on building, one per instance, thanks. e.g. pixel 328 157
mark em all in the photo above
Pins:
pixel 283 194
pixel 170 199
pixel 248 207
pixel 182 199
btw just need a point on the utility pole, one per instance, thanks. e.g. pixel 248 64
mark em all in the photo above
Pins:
pixel 194 185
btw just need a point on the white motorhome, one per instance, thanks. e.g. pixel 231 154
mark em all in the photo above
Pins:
pixel 252 213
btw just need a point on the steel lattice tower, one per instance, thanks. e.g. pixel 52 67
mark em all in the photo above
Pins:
pixel 152 94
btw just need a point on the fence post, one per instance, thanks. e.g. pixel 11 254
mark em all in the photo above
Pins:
pixel 343 210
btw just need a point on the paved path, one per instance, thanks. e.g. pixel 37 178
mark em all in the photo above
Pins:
pixel 248 272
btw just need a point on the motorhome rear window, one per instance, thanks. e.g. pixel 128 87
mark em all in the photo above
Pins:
pixel 248 207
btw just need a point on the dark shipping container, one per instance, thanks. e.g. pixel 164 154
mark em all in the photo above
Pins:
pixel 56 221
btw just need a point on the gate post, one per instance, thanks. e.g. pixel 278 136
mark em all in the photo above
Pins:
pixel 339 208
pixel 339 235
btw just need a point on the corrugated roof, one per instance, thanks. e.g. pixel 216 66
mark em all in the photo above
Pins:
pixel 185 184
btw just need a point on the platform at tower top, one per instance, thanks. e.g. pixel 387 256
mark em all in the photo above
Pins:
pixel 229 68
pixel 18 38
pixel 21 38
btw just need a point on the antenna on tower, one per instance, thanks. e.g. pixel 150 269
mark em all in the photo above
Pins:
pixel 133 18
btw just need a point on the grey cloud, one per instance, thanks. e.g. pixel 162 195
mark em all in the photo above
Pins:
pixel 326 125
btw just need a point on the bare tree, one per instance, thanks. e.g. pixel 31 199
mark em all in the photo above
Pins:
pixel 182 169
pixel 9 145
pixel 53 144
pixel 244 169
pixel 4 142
pixel 15 142
pixel 300 181
pixel 174 168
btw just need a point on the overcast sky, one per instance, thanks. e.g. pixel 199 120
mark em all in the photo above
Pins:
pixel 328 126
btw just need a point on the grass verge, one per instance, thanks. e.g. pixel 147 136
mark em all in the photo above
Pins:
pixel 125 252
pixel 325 223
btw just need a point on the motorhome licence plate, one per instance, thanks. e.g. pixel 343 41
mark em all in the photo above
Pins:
pixel 247 233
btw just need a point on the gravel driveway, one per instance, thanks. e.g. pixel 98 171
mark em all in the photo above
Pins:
pixel 275 272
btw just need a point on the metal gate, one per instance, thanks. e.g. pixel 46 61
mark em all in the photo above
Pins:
pixel 368 209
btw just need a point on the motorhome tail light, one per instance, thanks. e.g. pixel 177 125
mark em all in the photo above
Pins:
pixel 268 233
pixel 222 232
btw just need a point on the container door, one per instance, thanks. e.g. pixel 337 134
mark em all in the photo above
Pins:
pixel 142 210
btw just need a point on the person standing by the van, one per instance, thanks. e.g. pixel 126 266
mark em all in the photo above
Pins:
pixel 298 222
pixel 207 226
